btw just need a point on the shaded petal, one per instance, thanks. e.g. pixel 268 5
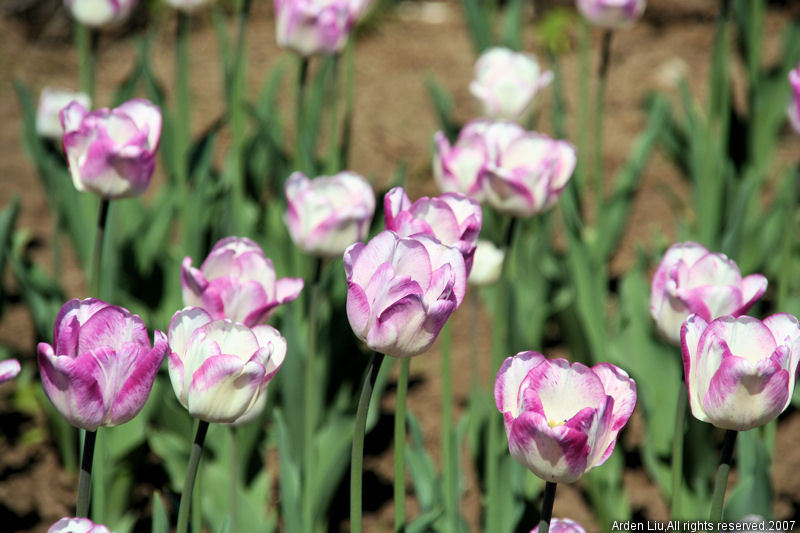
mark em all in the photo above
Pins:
pixel 133 393
pixel 223 388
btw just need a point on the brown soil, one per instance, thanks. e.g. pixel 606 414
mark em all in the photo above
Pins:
pixel 394 122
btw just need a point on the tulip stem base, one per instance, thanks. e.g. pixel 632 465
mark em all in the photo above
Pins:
pixel 191 474
pixel 721 480
pixel 548 498
pixel 357 453
pixel 85 478
pixel 677 452
pixel 400 447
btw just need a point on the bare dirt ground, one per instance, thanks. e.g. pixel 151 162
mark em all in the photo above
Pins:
pixel 394 122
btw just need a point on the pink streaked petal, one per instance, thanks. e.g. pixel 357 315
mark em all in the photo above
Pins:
pixel 271 338
pixel 753 287
pixel 745 336
pixel 147 118
pixel 394 202
pixel 714 269
pixel 441 255
pixel 241 298
pixel 111 327
pixel 398 331
pixel 288 289
pixel 135 390
pixel 562 389
pixel 358 309
pixel 411 258
pixel 509 379
pixel 223 388
pixel 602 435
pixel 786 330
pixel 361 261
pixel 178 377
pixel 9 369
pixel 71 385
pixel 193 283
pixel 441 219
pixel 622 388
pixel 232 338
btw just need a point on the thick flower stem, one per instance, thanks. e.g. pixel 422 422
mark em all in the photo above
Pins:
pixel 599 107
pixel 85 478
pixel 310 399
pixel 677 452
pixel 548 498
pixel 721 480
pixel 237 112
pixel 191 473
pixel 357 454
pixel 400 447
pixel 449 454
pixel 233 505
pixel 97 259
pixel 302 158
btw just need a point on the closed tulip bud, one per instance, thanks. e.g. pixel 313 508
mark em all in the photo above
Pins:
pixel 77 525
pixel 488 264
pixel 311 27
pixel 690 279
pixel 327 214
pixel 562 420
pixel 506 83
pixel 562 525
pixel 740 372
pixel 452 218
pixel 51 102
pixel 187 6
pixel 401 291
pixel 111 152
pixel 100 13
pixel 611 13
pixel 237 282
pixel 219 368
pixel 100 368
pixel 9 369
pixel 794 101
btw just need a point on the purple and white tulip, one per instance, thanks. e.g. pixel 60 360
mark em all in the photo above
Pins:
pixel 488 264
pixel 311 27
pixel 793 111
pixel 562 420
pixel 112 152
pixel 506 82
pixel 77 525
pixel 740 371
pixel 327 214
pixel 219 368
pixel 100 368
pixel 562 525
pixel 100 13
pixel 401 291
pixel 51 102
pixel 452 218
pixel 237 282
pixel 690 279
pixel 611 13
pixel 9 369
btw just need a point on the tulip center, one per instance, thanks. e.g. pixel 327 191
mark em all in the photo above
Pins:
pixel 554 423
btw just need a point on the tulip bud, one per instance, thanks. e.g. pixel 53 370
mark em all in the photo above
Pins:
pixel 237 282
pixel 506 83
pixel 401 291
pixel 488 264
pixel 112 152
pixel 51 102
pixel 794 102
pixel 452 218
pixel 327 214
pixel 219 368
pixel 100 368
pixel 740 372
pixel 562 420
pixel 562 525
pixel 100 13
pixel 611 13
pixel 77 525
pixel 311 27
pixel 690 279
pixel 9 369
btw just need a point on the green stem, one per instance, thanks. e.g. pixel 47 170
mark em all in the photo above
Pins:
pixel 97 259
pixel 191 474
pixel 721 480
pixel 85 477
pixel 357 453
pixel 301 156
pixel 547 506
pixel 237 115
pixel 334 164
pixel 400 447
pixel 100 479
pixel 584 48
pixel 677 451
pixel 86 41
pixel 599 107
pixel 234 482
pixel 474 304
pixel 449 454
pixel 310 398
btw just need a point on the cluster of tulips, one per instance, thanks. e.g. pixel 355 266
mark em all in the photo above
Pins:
pixel 561 419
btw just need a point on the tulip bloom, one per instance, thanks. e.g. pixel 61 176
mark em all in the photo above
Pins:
pixel 112 152
pixel 77 525
pixel 794 102
pixel 9 369
pixel 690 279
pixel 563 525
pixel 611 13
pixel 100 368
pixel 327 214
pixel 506 82
pixel 562 420
pixel 236 282
pixel 452 218
pixel 311 27
pixel 740 372
pixel 51 102
pixel 219 368
pixel 100 13
pixel 488 264
pixel 401 291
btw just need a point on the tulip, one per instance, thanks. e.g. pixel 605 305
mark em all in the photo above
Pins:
pixel 740 371
pixel 77 525
pixel 112 152
pixel 51 102
pixel 562 420
pixel 100 368
pixel 563 525
pixel 611 13
pixel 690 279
pixel 236 282
pixel 452 218
pixel 219 368
pixel 488 264
pixel 794 103
pixel 100 13
pixel 401 291
pixel 311 27
pixel 9 369
pixel 327 214
pixel 186 5
pixel 506 82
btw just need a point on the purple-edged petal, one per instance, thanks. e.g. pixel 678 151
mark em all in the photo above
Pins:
pixel 136 389
pixel 183 325
pixel 753 287
pixel 9 369
pixel 621 388
pixel 509 378
pixel 223 388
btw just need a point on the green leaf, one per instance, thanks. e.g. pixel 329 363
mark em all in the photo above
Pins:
pixel 160 519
